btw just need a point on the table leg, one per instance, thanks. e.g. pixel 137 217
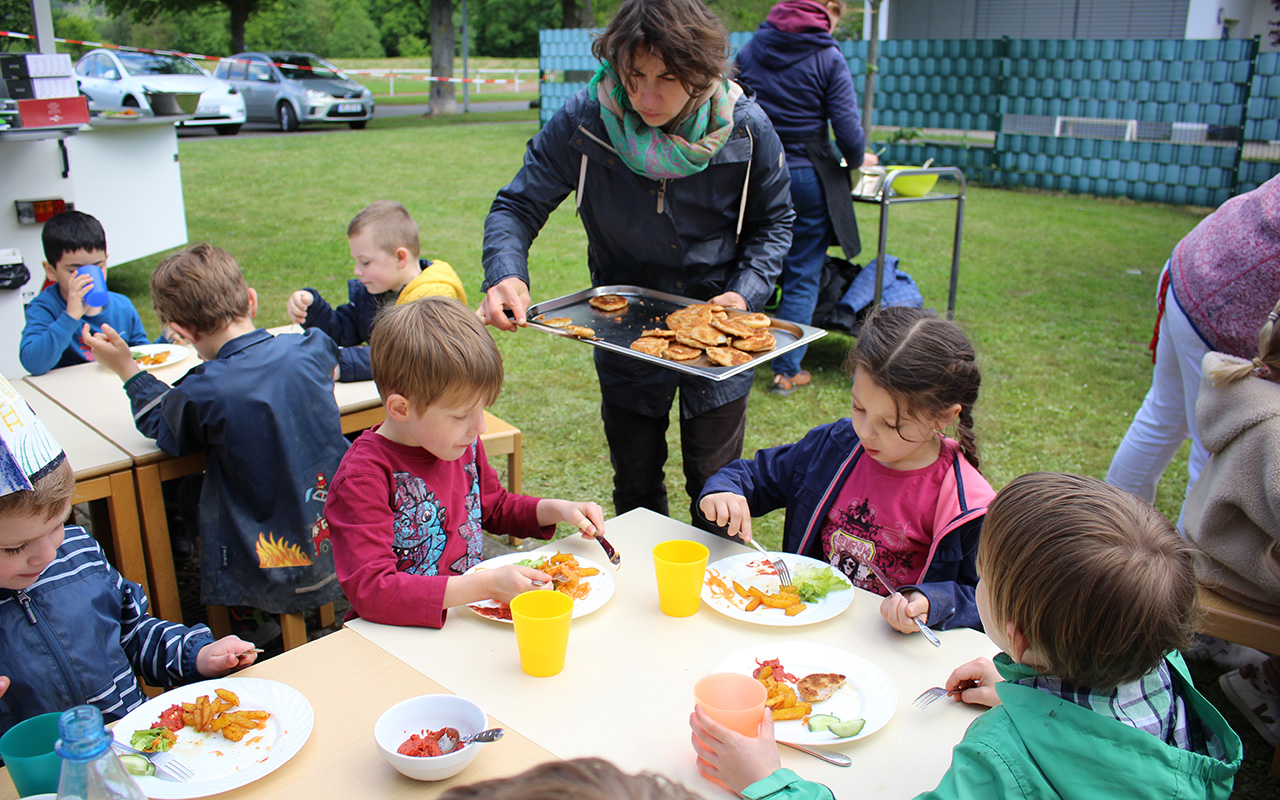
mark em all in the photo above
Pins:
pixel 122 508
pixel 165 602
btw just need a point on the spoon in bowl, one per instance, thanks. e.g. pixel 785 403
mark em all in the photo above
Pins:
pixel 452 740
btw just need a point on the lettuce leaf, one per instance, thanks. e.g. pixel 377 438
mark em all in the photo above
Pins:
pixel 536 563
pixel 814 583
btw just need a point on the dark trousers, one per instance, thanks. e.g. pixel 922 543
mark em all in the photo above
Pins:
pixel 638 451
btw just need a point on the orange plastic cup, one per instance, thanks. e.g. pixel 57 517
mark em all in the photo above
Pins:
pixel 541 619
pixel 680 566
pixel 734 700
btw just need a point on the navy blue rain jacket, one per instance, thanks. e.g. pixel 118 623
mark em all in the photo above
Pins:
pixel 676 235
pixel 802 80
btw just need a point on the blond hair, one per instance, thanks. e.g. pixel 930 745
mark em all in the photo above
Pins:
pixel 49 495
pixel 431 350
pixel 579 778
pixel 389 225
pixel 201 288
pixel 1098 581
pixel 1265 365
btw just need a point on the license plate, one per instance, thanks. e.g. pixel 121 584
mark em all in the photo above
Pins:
pixel 350 108
pixel 207 111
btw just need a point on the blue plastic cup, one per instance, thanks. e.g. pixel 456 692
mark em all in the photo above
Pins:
pixel 97 295
pixel 27 750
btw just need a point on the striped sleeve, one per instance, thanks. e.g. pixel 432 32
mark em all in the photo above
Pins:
pixel 164 653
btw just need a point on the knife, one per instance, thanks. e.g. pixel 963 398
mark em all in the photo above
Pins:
pixel 925 629
pixel 614 558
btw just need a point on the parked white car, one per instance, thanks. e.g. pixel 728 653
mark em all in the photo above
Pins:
pixel 115 80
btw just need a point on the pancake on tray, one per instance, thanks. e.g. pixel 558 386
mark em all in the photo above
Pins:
pixel 554 322
pixel 608 302
pixel 579 331
pixel 727 356
pixel 651 345
pixel 678 352
pixel 760 342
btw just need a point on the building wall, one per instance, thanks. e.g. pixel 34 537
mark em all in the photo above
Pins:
pixel 1040 19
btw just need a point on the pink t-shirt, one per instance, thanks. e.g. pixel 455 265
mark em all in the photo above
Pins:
pixel 885 516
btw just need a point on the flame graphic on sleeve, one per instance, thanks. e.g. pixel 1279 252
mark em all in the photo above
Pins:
pixel 273 553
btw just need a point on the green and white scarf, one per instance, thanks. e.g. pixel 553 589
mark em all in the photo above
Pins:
pixel 682 147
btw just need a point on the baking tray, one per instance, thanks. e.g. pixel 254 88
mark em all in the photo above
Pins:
pixel 649 309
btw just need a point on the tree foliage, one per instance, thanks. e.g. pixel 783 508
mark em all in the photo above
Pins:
pixel 509 28
pixel 15 15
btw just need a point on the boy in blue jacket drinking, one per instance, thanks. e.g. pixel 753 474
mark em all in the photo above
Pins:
pixel 75 631
pixel 52 334
pixel 262 406
pixel 1090 593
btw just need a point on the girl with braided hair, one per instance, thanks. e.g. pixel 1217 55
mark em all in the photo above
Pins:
pixel 885 485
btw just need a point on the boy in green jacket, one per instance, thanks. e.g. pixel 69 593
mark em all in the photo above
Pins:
pixel 1090 593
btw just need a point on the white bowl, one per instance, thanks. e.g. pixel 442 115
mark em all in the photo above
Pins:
pixel 429 712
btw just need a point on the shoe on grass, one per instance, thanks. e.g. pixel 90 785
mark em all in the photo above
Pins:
pixel 783 385
pixel 1224 654
pixel 1249 691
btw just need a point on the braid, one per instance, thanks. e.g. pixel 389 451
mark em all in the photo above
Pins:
pixel 964 435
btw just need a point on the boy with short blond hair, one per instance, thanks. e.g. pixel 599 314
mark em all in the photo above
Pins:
pixel 411 496
pixel 75 631
pixel 263 408
pixel 1090 593
pixel 384 244
pixel 51 336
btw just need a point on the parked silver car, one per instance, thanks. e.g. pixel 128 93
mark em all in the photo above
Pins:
pixel 115 80
pixel 290 88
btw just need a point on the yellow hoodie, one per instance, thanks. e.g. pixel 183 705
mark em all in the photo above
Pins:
pixel 437 277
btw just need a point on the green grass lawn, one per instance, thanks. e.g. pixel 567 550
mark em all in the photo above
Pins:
pixel 1057 291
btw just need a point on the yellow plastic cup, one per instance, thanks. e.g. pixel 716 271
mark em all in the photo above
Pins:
pixel 541 620
pixel 680 566
pixel 732 699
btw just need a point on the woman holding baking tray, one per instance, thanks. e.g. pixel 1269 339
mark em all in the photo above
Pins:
pixel 682 188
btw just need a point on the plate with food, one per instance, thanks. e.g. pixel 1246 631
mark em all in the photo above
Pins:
pixel 675 332
pixel 154 356
pixel 228 731
pixel 746 587
pixel 589 584
pixel 819 694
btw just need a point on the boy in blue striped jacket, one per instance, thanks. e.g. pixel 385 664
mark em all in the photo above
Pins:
pixel 75 630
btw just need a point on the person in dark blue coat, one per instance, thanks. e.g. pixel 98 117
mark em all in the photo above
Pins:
pixel 802 81
pixel 682 188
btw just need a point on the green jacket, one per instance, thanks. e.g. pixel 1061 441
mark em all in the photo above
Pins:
pixel 1036 745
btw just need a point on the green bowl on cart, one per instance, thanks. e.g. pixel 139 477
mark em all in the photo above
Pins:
pixel 910 185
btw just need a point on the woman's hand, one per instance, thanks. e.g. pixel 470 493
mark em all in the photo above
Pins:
pixel 508 293
pixel 728 756
pixel 218 658
pixel 729 511
pixel 975 683
pixel 870 160
pixel 730 300
pixel 899 610
pixel 111 351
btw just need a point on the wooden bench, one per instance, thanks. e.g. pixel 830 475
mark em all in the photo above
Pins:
pixel 1229 620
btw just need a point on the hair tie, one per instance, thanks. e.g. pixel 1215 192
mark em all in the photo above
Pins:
pixel 1273 316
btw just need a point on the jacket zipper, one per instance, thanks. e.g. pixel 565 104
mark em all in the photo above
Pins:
pixel 55 648
pixel 662 193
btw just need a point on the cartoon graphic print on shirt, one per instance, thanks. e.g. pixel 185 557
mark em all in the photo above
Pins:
pixel 851 536
pixel 419 526
pixel 470 529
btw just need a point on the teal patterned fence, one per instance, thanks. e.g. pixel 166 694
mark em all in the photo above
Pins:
pixel 1165 120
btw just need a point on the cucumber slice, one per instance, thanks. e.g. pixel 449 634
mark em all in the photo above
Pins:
pixel 137 765
pixel 822 722
pixel 847 728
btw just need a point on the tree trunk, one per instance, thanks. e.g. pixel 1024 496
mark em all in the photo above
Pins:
pixel 239 16
pixel 873 54
pixel 444 98
pixel 577 14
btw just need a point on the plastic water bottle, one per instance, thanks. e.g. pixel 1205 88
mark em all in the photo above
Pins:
pixel 90 769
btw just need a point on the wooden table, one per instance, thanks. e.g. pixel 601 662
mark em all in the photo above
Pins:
pixel 103 472
pixel 627 688
pixel 350 682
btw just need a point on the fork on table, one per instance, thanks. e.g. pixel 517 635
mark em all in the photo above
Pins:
pixel 165 762
pixel 930 696
pixel 779 565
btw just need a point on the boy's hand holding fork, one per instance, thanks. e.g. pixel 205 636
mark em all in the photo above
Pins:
pixel 111 351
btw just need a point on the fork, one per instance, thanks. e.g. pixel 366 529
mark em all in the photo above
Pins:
pixel 930 696
pixel 164 762
pixel 779 565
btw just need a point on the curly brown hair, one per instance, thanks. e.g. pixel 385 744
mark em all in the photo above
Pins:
pixel 691 40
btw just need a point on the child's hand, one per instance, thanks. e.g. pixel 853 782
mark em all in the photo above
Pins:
pixel 899 611
pixel 111 351
pixel 729 511
pixel 296 306
pixel 218 658
pixel 173 337
pixel 4 685
pixel 728 756
pixel 586 517
pixel 509 581
pixel 80 286
pixel 975 683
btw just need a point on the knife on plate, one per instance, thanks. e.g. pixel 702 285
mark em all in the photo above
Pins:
pixel 614 558
pixel 925 629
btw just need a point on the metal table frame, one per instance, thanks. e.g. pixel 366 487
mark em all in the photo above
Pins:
pixel 885 198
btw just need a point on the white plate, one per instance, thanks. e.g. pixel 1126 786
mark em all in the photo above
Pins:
pixel 177 354
pixel 222 765
pixel 753 569
pixel 868 692
pixel 601 583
